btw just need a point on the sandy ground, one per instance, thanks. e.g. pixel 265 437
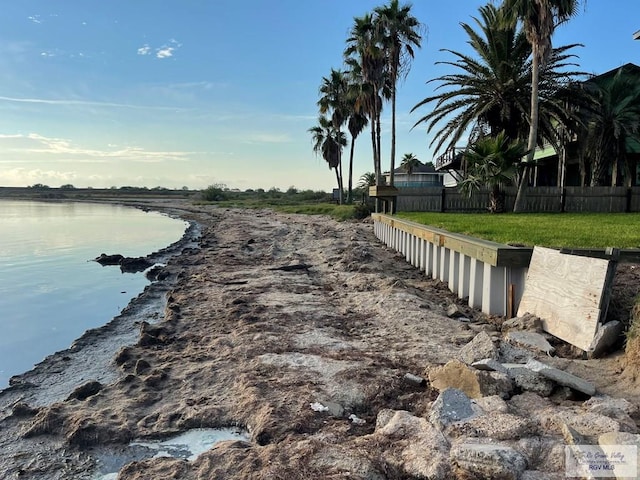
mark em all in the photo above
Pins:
pixel 270 314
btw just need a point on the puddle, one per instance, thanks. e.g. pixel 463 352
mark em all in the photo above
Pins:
pixel 187 445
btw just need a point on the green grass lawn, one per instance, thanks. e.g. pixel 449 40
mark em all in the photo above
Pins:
pixel 555 230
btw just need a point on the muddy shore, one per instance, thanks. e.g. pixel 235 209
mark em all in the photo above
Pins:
pixel 299 329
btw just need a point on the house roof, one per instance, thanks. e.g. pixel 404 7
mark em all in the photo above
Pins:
pixel 627 68
pixel 636 36
pixel 427 168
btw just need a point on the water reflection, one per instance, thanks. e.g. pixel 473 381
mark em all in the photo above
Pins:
pixel 50 291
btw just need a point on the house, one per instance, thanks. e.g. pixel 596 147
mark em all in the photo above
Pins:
pixel 549 169
pixel 421 176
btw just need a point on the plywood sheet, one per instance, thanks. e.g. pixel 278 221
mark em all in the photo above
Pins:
pixel 566 292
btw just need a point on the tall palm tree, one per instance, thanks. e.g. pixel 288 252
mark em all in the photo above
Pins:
pixel 409 163
pixel 611 123
pixel 539 19
pixel 399 33
pixel 491 163
pixel 329 141
pixel 333 100
pixel 366 63
pixel 356 125
pixel 491 91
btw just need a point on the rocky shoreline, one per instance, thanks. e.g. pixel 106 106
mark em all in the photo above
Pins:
pixel 335 355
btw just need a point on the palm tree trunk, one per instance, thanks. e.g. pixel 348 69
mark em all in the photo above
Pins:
pixel 533 131
pixel 350 189
pixel 376 165
pixel 393 132
pixel 340 183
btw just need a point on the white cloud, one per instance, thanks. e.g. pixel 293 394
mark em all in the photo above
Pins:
pixel 144 50
pixel 35 18
pixel 165 52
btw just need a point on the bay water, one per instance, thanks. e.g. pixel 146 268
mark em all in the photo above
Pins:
pixel 51 290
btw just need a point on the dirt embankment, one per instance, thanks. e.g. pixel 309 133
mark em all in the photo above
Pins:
pixel 270 315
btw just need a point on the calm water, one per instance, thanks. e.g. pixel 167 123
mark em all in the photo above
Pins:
pixel 50 291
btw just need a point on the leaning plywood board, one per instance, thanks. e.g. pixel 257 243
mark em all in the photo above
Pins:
pixel 567 292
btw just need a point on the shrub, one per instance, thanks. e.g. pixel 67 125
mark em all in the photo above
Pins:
pixel 214 193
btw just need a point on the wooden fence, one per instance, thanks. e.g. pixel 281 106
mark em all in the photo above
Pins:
pixel 538 199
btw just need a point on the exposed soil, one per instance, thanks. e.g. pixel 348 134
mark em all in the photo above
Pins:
pixel 269 315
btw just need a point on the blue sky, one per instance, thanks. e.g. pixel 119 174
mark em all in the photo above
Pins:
pixel 199 92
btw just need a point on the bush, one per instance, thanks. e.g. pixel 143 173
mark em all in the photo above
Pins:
pixel 361 210
pixel 214 193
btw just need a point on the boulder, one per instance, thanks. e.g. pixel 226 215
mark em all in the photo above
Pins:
pixel 527 322
pixel 419 448
pixel 563 378
pixel 530 340
pixel 606 337
pixel 452 405
pixel 479 348
pixel 474 383
pixel 488 461
pixel 528 380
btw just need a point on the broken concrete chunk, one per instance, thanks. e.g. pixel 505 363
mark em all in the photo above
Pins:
pixel 563 378
pixel 488 461
pixel 528 380
pixel 527 322
pixel 530 340
pixel 606 337
pixel 492 404
pixel 489 365
pixel 572 436
pixel 454 311
pixel 452 405
pixel 474 383
pixel 477 349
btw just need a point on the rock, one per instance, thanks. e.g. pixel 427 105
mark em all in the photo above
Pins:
pixel 531 340
pixel 452 405
pixel 509 353
pixel 618 409
pixel 545 453
pixel 499 426
pixel 606 337
pixel 134 265
pixel 571 436
pixel 492 404
pixel 105 259
pixel 474 383
pixel 454 311
pixel 493 461
pixel 141 366
pixel 585 423
pixel 414 379
pixel 527 322
pixel 419 448
pixel 619 438
pixel 85 391
pixel 562 377
pixel 528 380
pixel 615 439
pixel 477 349
pixel 22 409
pixel 489 365
pixel 604 403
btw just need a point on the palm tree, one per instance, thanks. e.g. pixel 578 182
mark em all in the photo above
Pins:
pixel 366 63
pixel 409 163
pixel 491 163
pixel 356 124
pixel 611 123
pixel 367 180
pixel 491 93
pixel 333 100
pixel 539 19
pixel 399 33
pixel 329 141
